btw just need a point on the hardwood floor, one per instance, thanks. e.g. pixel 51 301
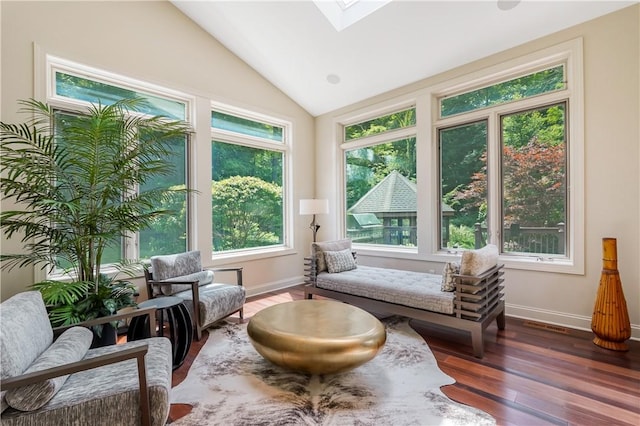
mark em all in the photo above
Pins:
pixel 531 374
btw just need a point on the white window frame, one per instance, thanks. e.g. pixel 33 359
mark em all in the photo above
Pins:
pixel 416 131
pixel 284 147
pixel 47 65
pixel 569 54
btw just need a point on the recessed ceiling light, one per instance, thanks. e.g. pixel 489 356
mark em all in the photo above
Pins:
pixel 333 78
pixel 507 4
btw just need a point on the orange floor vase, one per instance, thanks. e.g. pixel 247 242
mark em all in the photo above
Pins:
pixel 610 321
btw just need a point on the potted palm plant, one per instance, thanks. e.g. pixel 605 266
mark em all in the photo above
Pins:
pixel 72 177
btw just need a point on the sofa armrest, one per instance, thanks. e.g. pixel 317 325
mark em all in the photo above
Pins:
pixel 137 352
pixel 116 317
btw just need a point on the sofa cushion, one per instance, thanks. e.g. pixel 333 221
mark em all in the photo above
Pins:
pixel 21 342
pixel 339 261
pixel 448 279
pixel 414 289
pixel 318 249
pixel 71 346
pixel 475 262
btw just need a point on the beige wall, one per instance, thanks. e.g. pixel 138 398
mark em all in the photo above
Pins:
pixel 612 164
pixel 154 42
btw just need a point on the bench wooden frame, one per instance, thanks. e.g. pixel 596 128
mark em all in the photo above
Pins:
pixel 478 301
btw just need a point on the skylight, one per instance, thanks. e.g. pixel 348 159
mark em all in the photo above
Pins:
pixel 343 13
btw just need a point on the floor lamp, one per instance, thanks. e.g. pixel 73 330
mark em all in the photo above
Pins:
pixel 314 207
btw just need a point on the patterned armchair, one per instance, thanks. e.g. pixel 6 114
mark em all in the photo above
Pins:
pixel 52 382
pixel 181 275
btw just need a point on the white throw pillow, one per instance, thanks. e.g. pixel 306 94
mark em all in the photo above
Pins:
pixel 475 262
pixel 339 261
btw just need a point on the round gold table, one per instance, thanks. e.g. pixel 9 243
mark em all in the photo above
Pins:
pixel 316 336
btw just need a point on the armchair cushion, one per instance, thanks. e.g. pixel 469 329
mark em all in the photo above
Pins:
pixel 71 346
pixel 179 267
pixel 21 342
pixel 175 265
pixel 203 277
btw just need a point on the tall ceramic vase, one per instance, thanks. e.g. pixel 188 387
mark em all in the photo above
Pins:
pixel 610 321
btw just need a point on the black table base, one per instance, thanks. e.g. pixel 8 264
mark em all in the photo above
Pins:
pixel 171 314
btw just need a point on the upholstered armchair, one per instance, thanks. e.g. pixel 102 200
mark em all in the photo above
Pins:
pixel 181 275
pixel 53 381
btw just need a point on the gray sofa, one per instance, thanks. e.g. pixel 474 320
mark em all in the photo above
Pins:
pixel 468 296
pixel 54 382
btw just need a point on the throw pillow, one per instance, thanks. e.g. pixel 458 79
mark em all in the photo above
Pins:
pixel 448 281
pixel 71 346
pixel 318 250
pixel 340 261
pixel 475 262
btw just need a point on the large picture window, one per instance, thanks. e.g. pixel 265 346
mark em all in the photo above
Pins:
pixel 495 156
pixel 248 182
pixel 524 164
pixel 73 87
pixel 380 180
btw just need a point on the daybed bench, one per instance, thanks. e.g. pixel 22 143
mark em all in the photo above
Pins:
pixel 468 299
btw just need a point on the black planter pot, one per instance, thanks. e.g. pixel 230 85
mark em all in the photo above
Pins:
pixel 108 336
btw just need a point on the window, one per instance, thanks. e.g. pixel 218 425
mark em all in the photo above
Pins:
pixel 380 180
pixel 73 86
pixel 248 157
pixel 504 166
pixel 495 156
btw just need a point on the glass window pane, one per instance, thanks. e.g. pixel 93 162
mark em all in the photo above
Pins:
pixel 93 91
pixel 519 88
pixel 397 120
pixel 247 197
pixel 245 126
pixel 463 186
pixel 168 234
pixel 381 193
pixel 73 185
pixel 534 186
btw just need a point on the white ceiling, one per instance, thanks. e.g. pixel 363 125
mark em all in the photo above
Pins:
pixel 294 46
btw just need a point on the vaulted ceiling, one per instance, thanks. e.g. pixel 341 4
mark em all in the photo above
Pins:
pixel 332 54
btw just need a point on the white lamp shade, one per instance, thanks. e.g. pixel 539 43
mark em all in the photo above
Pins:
pixel 314 206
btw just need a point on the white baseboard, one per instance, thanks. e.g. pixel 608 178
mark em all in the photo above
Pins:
pixel 579 322
pixel 274 286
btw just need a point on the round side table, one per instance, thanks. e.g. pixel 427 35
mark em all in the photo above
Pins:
pixel 172 312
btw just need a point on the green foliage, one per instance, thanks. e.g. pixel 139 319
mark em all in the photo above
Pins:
pixel 71 176
pixel 366 167
pixel 247 212
pixel 461 237
pixel 71 302
pixel 397 120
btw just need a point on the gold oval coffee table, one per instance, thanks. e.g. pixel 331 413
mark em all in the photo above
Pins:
pixel 316 336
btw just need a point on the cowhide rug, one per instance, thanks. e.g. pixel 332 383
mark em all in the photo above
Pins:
pixel 229 383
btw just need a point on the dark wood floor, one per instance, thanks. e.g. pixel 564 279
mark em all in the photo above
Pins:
pixel 531 374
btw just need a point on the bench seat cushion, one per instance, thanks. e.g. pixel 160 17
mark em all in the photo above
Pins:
pixel 414 289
